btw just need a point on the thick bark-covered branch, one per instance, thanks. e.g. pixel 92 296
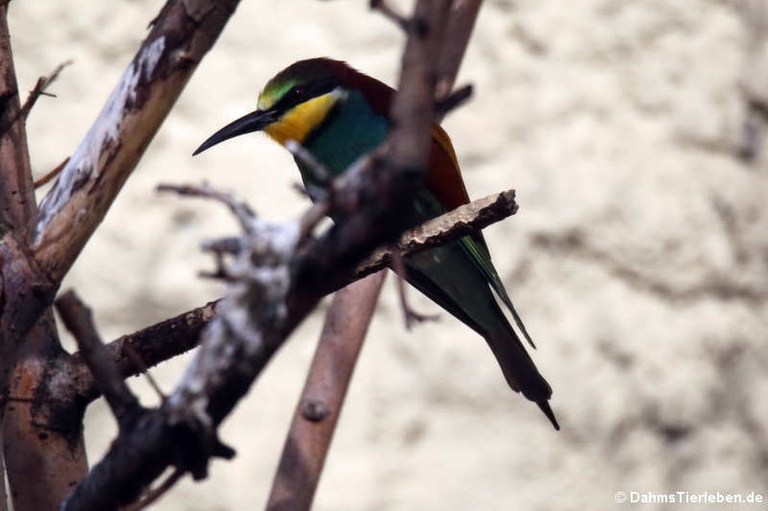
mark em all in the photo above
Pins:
pixel 43 442
pixel 41 459
pixel 181 35
pixel 19 307
pixel 44 449
pixel 152 345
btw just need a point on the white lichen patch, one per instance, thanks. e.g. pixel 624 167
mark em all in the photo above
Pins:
pixel 251 312
pixel 102 137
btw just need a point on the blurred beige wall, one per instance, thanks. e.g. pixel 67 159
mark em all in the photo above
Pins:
pixel 639 257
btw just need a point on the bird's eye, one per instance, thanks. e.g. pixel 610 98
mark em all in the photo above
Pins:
pixel 298 92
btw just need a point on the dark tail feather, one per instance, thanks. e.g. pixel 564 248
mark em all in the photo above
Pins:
pixel 544 405
pixel 520 371
pixel 466 295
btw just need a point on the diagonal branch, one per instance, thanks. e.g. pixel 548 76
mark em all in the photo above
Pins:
pixel 319 408
pixel 181 35
pixel 153 345
pixel 461 23
pixel 413 108
pixel 78 319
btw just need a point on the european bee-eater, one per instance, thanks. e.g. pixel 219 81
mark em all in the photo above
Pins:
pixel 340 114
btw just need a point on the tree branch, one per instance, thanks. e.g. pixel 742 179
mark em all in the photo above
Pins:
pixel 40 89
pixel 78 319
pixel 17 200
pixel 462 221
pixel 461 23
pixel 153 345
pixel 27 336
pixel 181 35
pixel 413 107
pixel 20 307
pixel 319 408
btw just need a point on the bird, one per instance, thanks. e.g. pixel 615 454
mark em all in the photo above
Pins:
pixel 340 114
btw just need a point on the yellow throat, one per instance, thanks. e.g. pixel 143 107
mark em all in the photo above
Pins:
pixel 298 122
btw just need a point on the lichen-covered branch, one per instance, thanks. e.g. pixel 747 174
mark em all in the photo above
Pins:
pixel 181 35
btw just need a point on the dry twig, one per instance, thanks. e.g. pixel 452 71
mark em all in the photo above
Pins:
pixel 50 175
pixel 391 13
pixel 451 102
pixel 136 358
pixel 41 88
pixel 242 211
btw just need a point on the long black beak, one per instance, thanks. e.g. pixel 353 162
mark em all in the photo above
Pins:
pixel 254 121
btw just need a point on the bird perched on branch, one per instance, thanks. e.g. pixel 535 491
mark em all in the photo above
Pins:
pixel 339 114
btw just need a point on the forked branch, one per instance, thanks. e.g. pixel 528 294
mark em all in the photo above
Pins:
pixel 177 335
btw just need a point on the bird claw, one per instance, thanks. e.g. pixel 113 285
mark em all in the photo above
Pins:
pixel 412 317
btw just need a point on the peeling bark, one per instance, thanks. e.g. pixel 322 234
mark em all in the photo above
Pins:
pixel 44 449
pixel 181 35
pixel 41 463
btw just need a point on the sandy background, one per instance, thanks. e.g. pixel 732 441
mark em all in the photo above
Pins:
pixel 639 258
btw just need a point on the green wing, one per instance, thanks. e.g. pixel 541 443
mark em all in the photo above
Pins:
pixel 477 251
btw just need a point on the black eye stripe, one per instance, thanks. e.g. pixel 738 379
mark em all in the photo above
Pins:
pixel 301 93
